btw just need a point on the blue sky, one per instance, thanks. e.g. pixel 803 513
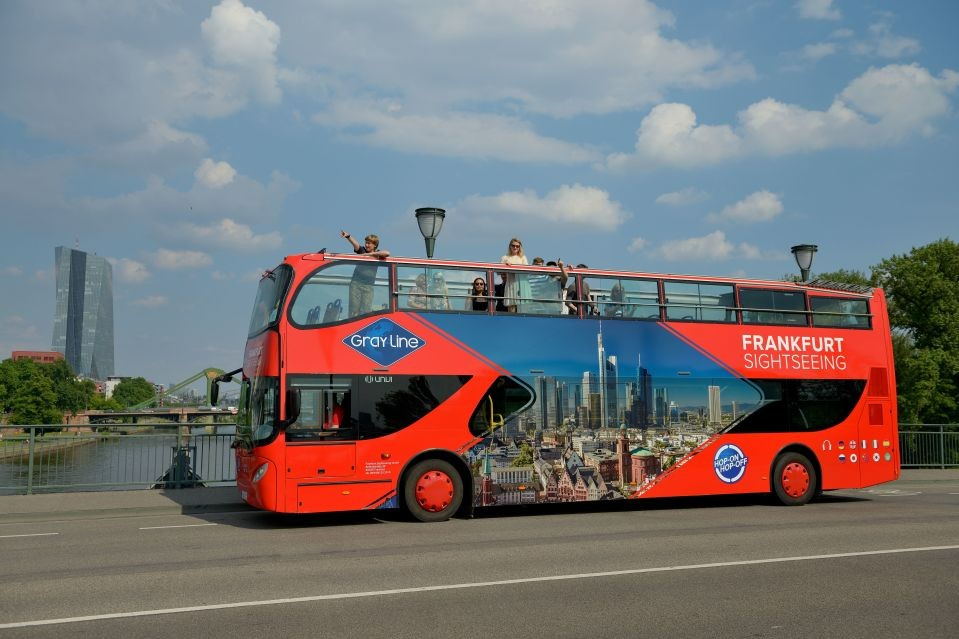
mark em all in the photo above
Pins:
pixel 196 143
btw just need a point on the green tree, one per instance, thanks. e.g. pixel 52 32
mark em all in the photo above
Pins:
pixel 525 457
pixel 99 402
pixel 35 401
pixel 72 394
pixel 923 292
pixel 133 391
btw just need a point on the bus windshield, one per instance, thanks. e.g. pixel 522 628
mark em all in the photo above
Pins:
pixel 269 298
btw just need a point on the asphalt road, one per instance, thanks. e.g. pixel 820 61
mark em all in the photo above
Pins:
pixel 875 563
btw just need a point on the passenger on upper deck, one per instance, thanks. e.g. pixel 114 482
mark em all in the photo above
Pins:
pixel 417 297
pixel 478 298
pixel 364 275
pixel 514 256
pixel 573 299
pixel 438 292
pixel 617 306
pixel 546 291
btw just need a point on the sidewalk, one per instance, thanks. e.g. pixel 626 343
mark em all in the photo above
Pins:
pixel 120 503
pixel 191 501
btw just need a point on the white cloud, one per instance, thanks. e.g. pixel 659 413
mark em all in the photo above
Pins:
pixel 714 246
pixel 11 271
pixel 559 58
pixel 817 10
pixel 179 260
pixel 760 206
pixel 231 235
pixel 685 197
pixel 245 41
pixel 901 99
pixel 670 136
pixel 17 332
pixel 883 43
pixel 637 244
pixel 214 175
pixel 130 271
pixel 476 135
pixel 152 301
pixel 818 51
pixel 882 106
pixel 574 205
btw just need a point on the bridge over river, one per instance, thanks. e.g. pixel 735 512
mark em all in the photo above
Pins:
pixel 172 414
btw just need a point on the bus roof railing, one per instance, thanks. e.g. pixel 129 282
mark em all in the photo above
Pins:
pixel 841 286
pixel 823 284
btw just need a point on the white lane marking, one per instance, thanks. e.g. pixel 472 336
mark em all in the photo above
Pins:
pixel 28 535
pixel 477 584
pixel 181 526
pixel 892 492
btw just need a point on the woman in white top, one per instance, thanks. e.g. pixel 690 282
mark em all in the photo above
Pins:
pixel 511 293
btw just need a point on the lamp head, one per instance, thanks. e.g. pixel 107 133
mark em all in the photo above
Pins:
pixel 430 221
pixel 804 254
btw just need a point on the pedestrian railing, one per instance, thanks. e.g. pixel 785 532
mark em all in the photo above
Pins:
pixel 120 456
pixel 929 445
pixel 123 456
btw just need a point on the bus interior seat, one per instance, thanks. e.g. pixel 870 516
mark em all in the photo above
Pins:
pixel 333 310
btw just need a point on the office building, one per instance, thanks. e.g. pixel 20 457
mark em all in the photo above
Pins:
pixel 83 320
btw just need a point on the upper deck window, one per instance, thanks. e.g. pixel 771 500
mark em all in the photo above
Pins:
pixel 540 293
pixel 699 301
pixel 770 306
pixel 625 297
pixel 840 311
pixel 427 288
pixel 342 291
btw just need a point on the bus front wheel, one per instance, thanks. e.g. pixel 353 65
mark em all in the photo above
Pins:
pixel 794 479
pixel 433 490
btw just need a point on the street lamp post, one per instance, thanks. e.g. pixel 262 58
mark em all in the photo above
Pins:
pixel 804 254
pixel 430 221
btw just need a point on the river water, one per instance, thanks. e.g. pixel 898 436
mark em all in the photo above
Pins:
pixel 64 463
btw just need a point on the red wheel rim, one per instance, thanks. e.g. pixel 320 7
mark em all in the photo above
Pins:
pixel 434 491
pixel 795 480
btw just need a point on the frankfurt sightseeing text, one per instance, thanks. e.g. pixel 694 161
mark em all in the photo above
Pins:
pixel 793 352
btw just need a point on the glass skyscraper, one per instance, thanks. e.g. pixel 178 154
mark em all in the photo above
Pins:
pixel 83 323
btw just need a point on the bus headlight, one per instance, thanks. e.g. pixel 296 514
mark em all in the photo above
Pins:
pixel 258 474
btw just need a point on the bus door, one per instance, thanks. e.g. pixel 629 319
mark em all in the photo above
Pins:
pixel 877 451
pixel 321 443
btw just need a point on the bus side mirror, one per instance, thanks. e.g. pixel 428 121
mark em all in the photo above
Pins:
pixel 292 405
pixel 214 392
pixel 496 421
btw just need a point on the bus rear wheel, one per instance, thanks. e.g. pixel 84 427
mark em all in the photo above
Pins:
pixel 433 490
pixel 794 479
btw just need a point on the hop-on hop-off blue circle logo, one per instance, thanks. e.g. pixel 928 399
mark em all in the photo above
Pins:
pixel 384 341
pixel 730 463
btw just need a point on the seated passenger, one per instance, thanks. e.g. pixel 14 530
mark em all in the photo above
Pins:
pixel 417 298
pixel 438 293
pixel 617 306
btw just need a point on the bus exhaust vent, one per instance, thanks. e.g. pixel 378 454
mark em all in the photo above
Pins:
pixel 840 286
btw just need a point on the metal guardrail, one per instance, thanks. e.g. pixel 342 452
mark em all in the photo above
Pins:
pixel 121 456
pixel 929 445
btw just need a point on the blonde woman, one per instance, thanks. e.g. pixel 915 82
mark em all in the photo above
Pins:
pixel 512 293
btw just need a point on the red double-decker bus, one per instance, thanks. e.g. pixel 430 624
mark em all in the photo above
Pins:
pixel 405 383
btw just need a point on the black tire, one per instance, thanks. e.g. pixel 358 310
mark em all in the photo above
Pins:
pixel 433 490
pixel 794 479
